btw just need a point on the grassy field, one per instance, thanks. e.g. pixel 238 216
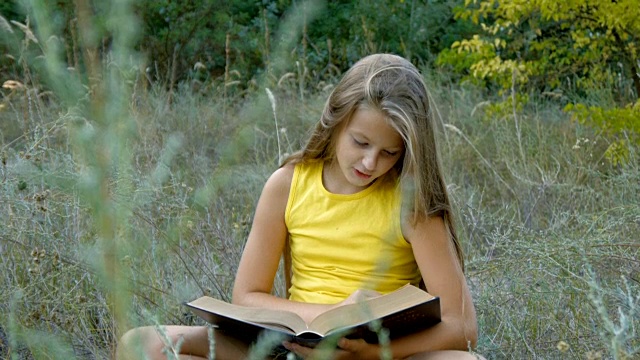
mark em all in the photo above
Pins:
pixel 119 200
pixel 111 225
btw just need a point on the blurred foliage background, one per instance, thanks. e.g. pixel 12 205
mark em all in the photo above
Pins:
pixel 572 51
pixel 241 34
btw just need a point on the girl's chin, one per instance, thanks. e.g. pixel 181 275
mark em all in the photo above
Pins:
pixel 361 181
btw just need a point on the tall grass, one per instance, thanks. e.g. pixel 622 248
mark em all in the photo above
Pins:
pixel 551 232
pixel 120 200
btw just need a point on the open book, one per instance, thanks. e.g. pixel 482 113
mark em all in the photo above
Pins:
pixel 401 312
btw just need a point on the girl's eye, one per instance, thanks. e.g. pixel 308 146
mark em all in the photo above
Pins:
pixel 391 153
pixel 359 143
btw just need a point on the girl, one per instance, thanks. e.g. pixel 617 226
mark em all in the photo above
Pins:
pixel 361 210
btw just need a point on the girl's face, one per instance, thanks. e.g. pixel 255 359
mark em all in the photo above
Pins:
pixel 366 148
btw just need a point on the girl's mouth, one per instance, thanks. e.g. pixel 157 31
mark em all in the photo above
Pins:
pixel 361 174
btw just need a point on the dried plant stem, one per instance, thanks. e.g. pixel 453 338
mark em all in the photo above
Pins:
pixel 212 342
pixel 304 34
pixel 272 100
pixel 172 82
pixel 227 50
pixel 91 62
pixel 302 73
pixel 267 42
pixel 515 116
pixel 73 26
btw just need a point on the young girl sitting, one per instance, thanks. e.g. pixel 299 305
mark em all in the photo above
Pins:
pixel 361 210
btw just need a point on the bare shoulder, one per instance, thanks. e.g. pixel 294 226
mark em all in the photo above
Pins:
pixel 276 190
pixel 425 226
pixel 280 180
pixel 284 174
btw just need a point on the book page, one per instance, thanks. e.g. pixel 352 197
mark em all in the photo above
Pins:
pixel 369 310
pixel 275 318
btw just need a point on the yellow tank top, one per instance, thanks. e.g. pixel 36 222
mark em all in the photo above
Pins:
pixel 342 243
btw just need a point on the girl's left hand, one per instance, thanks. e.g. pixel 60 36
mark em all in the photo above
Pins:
pixel 347 349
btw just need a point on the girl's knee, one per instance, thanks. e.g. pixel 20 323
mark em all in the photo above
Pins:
pixel 152 342
pixel 137 342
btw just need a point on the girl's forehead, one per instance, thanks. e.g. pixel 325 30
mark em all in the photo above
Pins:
pixel 375 127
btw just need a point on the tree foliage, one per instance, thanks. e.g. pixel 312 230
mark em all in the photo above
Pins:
pixel 204 39
pixel 179 34
pixel 574 47
pixel 621 124
pixel 330 41
pixel 552 44
pixel 568 47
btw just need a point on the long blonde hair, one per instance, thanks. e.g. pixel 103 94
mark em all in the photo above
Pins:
pixel 393 86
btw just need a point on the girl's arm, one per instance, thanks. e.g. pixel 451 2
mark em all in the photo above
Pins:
pixel 443 276
pixel 262 252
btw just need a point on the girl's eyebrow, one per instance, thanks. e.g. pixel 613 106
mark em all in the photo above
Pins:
pixel 394 149
pixel 366 139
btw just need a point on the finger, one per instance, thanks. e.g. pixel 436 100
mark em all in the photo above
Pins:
pixel 351 345
pixel 298 349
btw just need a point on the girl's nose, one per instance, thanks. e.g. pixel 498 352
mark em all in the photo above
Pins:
pixel 369 161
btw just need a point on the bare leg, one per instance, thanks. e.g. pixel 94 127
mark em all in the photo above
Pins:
pixel 446 355
pixel 148 343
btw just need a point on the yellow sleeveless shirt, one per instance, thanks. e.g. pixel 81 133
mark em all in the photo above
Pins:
pixel 342 243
